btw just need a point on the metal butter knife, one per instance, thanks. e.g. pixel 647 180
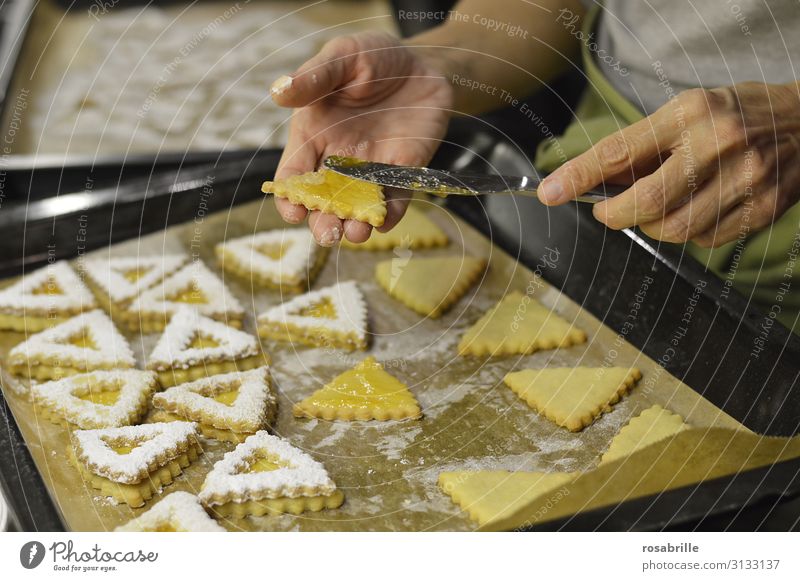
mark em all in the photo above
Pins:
pixel 444 183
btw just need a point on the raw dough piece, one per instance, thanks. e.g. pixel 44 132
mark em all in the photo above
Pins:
pixel 44 298
pixel 132 463
pixel 333 193
pixel 228 407
pixel 366 392
pixel 489 496
pixel 194 286
pixel 429 286
pixel 101 399
pixel 117 281
pixel 86 342
pixel 572 397
pixel 518 325
pixel 177 512
pixel 286 259
pixel 652 425
pixel 335 316
pixel 266 474
pixel 194 346
pixel 413 232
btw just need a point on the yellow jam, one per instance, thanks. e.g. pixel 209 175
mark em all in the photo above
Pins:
pixel 227 397
pixel 321 310
pixel 189 295
pixel 265 464
pixel 100 396
pixel 135 274
pixel 164 528
pixel 201 341
pixel 274 251
pixel 82 339
pixel 48 287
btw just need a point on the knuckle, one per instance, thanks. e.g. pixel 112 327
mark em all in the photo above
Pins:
pixel 695 102
pixel 676 229
pixel 615 150
pixel 730 129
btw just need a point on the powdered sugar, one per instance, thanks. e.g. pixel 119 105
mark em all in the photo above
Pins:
pixel 156 445
pixel 226 479
pixel 108 346
pixel 174 349
pixel 254 402
pixel 61 286
pixel 61 397
pixel 180 510
pixel 109 273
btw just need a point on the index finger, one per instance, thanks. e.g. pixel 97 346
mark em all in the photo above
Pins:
pixel 611 156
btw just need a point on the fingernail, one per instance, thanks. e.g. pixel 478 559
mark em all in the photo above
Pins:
pixel 551 191
pixel 281 85
pixel 331 237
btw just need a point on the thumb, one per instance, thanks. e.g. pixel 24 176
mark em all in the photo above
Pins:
pixel 321 75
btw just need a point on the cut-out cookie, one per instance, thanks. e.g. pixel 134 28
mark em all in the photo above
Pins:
pixel 366 392
pixel 491 496
pixel 193 286
pixel 228 407
pixel 518 325
pixel 86 342
pixel 572 397
pixel 414 231
pixel 286 259
pixel 266 474
pixel 332 193
pixel 429 286
pixel 132 463
pixel 177 512
pixel 652 425
pixel 44 298
pixel 335 316
pixel 117 281
pixel 101 399
pixel 194 346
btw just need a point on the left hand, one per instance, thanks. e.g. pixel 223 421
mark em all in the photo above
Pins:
pixel 710 166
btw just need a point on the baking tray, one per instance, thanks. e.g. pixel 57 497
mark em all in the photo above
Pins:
pixel 587 250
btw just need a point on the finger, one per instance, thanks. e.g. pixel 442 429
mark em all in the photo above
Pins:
pixel 319 76
pixel 758 211
pixel 651 197
pixel 292 213
pixel 616 154
pixel 326 228
pixel 704 210
pixel 299 155
pixel 396 204
pixel 357 232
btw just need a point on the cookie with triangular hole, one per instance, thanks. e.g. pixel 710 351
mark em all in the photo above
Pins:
pixel 267 475
pixel 177 512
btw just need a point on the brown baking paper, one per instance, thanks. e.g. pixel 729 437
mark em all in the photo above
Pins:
pixel 388 470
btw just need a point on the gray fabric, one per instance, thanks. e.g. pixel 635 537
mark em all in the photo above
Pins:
pixel 698 43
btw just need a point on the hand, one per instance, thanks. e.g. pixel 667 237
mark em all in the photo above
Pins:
pixel 710 166
pixel 364 96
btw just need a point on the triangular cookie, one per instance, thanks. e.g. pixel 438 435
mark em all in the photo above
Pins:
pixel 288 259
pixel 86 342
pixel 366 392
pixel 429 286
pixel 518 325
pixel 267 474
pixel 118 280
pixel 335 316
pixel 652 425
pixel 101 399
pixel 572 397
pixel 131 463
pixel 194 286
pixel 177 512
pixel 332 193
pixel 489 496
pixel 194 346
pixel 44 298
pixel 242 403
pixel 413 232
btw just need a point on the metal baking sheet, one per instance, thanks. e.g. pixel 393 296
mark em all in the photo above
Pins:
pixel 388 471
pixel 166 80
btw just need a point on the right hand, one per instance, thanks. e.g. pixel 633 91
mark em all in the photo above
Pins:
pixel 365 96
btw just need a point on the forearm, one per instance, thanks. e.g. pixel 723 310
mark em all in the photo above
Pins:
pixel 493 50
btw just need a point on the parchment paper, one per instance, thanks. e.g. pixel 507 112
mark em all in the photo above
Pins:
pixel 388 471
